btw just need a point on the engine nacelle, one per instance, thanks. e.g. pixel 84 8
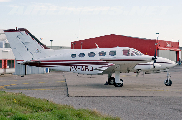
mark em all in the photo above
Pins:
pixel 147 66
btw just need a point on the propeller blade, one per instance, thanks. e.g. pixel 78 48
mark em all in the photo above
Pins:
pixel 155 54
pixel 154 58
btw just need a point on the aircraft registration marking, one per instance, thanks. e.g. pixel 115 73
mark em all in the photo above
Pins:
pixel 81 68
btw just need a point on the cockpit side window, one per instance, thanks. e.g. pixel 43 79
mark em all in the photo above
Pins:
pixel 102 53
pixel 91 54
pixel 73 55
pixel 112 53
pixel 81 55
pixel 137 52
pixel 126 52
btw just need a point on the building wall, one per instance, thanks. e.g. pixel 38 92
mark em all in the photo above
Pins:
pixel 6 53
pixel 146 46
pixel 9 65
pixel 168 54
pixel 20 70
pixel 7 61
pixel 172 56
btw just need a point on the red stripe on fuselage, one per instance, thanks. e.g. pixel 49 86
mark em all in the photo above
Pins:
pixel 19 60
pixel 89 60
pixel 66 63
pixel 66 60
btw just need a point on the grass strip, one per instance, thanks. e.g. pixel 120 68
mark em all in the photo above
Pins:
pixel 17 106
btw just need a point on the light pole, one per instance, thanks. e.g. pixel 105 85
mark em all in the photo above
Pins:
pixel 81 44
pixel 157 36
pixel 73 45
pixel 156 42
pixel 51 43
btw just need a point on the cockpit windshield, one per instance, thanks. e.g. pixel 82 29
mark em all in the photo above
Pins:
pixel 131 52
pixel 136 52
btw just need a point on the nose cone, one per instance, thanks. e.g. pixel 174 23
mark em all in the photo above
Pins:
pixel 171 64
pixel 165 63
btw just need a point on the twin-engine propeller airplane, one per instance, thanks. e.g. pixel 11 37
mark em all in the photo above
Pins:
pixel 28 50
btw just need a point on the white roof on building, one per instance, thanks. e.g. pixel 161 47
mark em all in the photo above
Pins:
pixel 2 35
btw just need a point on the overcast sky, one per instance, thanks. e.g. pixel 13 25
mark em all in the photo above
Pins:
pixel 65 21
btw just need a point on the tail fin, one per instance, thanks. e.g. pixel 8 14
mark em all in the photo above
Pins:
pixel 25 46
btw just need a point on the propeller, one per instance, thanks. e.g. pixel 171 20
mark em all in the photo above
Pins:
pixel 154 58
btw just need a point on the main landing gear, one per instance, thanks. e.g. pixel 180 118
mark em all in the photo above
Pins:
pixel 117 82
pixel 168 82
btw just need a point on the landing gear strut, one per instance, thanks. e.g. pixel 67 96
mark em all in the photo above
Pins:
pixel 168 82
pixel 117 82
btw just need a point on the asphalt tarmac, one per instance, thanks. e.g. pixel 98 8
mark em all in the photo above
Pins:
pixel 142 97
pixel 147 85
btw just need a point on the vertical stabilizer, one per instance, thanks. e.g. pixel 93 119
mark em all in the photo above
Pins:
pixel 25 47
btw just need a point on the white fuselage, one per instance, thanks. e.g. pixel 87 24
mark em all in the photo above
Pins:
pixel 92 61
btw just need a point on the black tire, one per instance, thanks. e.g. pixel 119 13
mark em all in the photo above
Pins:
pixel 118 84
pixel 111 81
pixel 168 84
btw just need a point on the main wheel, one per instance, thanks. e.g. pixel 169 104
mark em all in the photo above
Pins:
pixel 111 81
pixel 168 84
pixel 118 84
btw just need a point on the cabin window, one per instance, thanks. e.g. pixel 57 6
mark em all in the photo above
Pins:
pixel 81 55
pixel 10 63
pixel 112 53
pixel 0 63
pixel 73 55
pixel 126 52
pixel 91 54
pixel 102 53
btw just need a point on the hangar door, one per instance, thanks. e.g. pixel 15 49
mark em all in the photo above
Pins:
pixel 167 54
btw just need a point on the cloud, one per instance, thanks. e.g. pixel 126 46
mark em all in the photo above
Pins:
pixel 5 0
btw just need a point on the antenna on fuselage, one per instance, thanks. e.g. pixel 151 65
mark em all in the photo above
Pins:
pixel 96 45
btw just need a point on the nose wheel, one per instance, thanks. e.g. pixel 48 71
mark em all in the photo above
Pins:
pixel 168 82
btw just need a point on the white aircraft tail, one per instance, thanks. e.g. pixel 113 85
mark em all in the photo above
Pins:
pixel 25 46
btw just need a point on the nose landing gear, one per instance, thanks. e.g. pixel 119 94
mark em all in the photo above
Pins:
pixel 168 82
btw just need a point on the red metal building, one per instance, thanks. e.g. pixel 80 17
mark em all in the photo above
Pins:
pixel 146 46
